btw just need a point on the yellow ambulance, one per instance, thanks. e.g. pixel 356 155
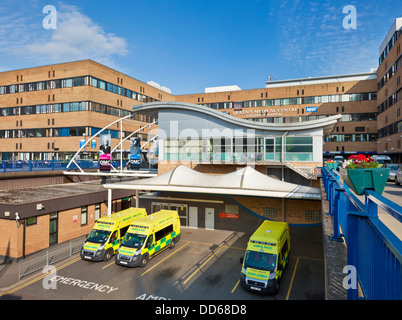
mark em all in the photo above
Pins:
pixel 147 237
pixel 266 257
pixel 104 239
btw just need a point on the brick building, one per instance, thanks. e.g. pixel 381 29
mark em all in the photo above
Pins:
pixel 289 101
pixel 389 96
pixel 32 219
pixel 47 111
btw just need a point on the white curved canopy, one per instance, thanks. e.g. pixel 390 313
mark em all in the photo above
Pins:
pixel 245 182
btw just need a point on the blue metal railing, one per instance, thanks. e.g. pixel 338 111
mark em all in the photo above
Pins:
pixel 372 248
pixel 46 165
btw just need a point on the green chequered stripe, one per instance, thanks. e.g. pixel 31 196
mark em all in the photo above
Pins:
pixel 166 240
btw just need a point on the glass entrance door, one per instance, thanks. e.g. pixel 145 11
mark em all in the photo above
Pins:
pixel 269 154
pixel 182 210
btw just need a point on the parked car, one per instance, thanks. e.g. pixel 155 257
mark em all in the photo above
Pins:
pixel 398 176
pixel 393 168
pixel 338 159
pixel 381 159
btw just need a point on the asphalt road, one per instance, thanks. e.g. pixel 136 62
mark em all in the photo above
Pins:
pixel 204 265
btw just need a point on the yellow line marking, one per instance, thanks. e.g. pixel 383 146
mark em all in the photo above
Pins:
pixel 291 281
pixel 233 290
pixel 108 265
pixel 165 259
pixel 202 265
pixel 312 259
pixel 39 278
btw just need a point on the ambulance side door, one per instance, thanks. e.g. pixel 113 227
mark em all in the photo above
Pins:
pixel 115 240
pixel 150 245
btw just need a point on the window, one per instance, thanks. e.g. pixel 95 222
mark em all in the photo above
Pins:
pixel 163 233
pixel 299 148
pixel 123 231
pixel 97 211
pixel 31 221
pixel 231 208
pixel 269 212
pixel 84 215
pixel 67 83
pixel 313 215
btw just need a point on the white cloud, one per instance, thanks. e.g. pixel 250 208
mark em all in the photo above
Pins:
pixel 77 37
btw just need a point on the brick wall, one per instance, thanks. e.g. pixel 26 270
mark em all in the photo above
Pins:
pixel 37 235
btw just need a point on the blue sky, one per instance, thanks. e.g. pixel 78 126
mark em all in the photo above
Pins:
pixel 188 46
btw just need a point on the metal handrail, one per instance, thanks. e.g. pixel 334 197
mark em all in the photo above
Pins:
pixel 372 248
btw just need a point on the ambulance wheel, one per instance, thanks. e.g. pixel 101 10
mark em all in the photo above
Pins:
pixel 276 287
pixel 108 254
pixel 172 243
pixel 143 261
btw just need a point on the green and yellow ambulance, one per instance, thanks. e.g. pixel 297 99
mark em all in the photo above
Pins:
pixel 147 237
pixel 105 237
pixel 266 257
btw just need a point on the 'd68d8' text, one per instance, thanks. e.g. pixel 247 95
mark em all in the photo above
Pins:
pixel 222 309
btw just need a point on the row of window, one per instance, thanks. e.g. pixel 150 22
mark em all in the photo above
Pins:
pixel 287 119
pixel 345 118
pixel 73 107
pixel 389 45
pixel 45 85
pixel 75 82
pixel 104 85
pixel 390 130
pixel 83 216
pixel 62 132
pixel 392 99
pixel 239 149
pixel 351 137
pixel 390 73
pixel 294 101
pixel 55 132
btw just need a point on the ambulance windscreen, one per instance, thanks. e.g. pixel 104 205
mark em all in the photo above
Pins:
pixel 98 236
pixel 260 260
pixel 133 240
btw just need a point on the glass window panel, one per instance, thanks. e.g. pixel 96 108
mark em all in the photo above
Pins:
pixel 299 140
pixel 67 83
pixel 75 106
pixel 102 84
pixel 299 148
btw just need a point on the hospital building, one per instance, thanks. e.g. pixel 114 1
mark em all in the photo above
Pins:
pixel 228 157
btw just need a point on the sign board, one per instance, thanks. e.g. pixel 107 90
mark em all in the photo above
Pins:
pixel 104 152
pixel 311 109
pixel 228 215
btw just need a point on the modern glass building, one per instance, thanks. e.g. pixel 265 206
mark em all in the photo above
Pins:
pixel 198 135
